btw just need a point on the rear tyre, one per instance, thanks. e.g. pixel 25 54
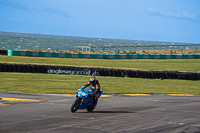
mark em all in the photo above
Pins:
pixel 90 109
pixel 75 105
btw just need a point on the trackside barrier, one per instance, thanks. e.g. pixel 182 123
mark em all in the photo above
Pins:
pixel 102 56
pixel 3 52
pixel 29 68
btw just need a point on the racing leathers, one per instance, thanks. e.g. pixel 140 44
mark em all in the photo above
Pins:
pixel 95 87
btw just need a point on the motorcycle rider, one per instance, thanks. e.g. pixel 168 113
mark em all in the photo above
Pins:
pixel 95 87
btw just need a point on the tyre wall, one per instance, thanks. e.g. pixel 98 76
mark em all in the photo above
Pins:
pixel 102 56
pixel 29 68
pixel 3 52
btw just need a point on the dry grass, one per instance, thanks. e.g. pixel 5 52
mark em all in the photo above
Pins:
pixel 145 52
pixel 168 51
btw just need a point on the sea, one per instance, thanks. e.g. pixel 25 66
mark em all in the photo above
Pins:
pixel 24 41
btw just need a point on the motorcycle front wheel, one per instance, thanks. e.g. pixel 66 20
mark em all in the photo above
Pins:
pixel 75 105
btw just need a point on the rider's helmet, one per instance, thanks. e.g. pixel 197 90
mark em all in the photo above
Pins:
pixel 93 80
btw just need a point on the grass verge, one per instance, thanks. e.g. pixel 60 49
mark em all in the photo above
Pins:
pixel 68 84
pixel 139 64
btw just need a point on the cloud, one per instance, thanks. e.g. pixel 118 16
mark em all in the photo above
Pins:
pixel 17 5
pixel 178 15
pixel 55 11
pixel 14 4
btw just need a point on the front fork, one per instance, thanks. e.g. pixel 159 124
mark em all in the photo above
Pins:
pixel 81 100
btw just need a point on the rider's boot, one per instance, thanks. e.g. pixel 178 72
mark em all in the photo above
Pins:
pixel 95 103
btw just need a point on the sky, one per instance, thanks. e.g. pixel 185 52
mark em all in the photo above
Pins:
pixel 147 20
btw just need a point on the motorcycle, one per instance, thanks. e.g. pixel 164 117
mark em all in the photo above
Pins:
pixel 83 101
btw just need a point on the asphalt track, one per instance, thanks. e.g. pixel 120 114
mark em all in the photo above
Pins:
pixel 114 114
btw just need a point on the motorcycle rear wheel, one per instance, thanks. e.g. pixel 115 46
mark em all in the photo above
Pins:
pixel 90 109
pixel 75 105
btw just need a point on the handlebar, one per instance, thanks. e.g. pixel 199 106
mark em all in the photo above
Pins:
pixel 82 89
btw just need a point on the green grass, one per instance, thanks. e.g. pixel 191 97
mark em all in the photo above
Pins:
pixel 141 64
pixel 68 84
pixel 62 84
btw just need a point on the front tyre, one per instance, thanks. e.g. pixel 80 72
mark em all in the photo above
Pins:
pixel 75 105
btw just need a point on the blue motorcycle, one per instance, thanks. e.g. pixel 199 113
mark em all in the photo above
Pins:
pixel 83 101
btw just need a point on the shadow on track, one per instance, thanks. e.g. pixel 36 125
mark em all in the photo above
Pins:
pixel 107 112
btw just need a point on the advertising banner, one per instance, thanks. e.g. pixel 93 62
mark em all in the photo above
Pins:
pixel 73 71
